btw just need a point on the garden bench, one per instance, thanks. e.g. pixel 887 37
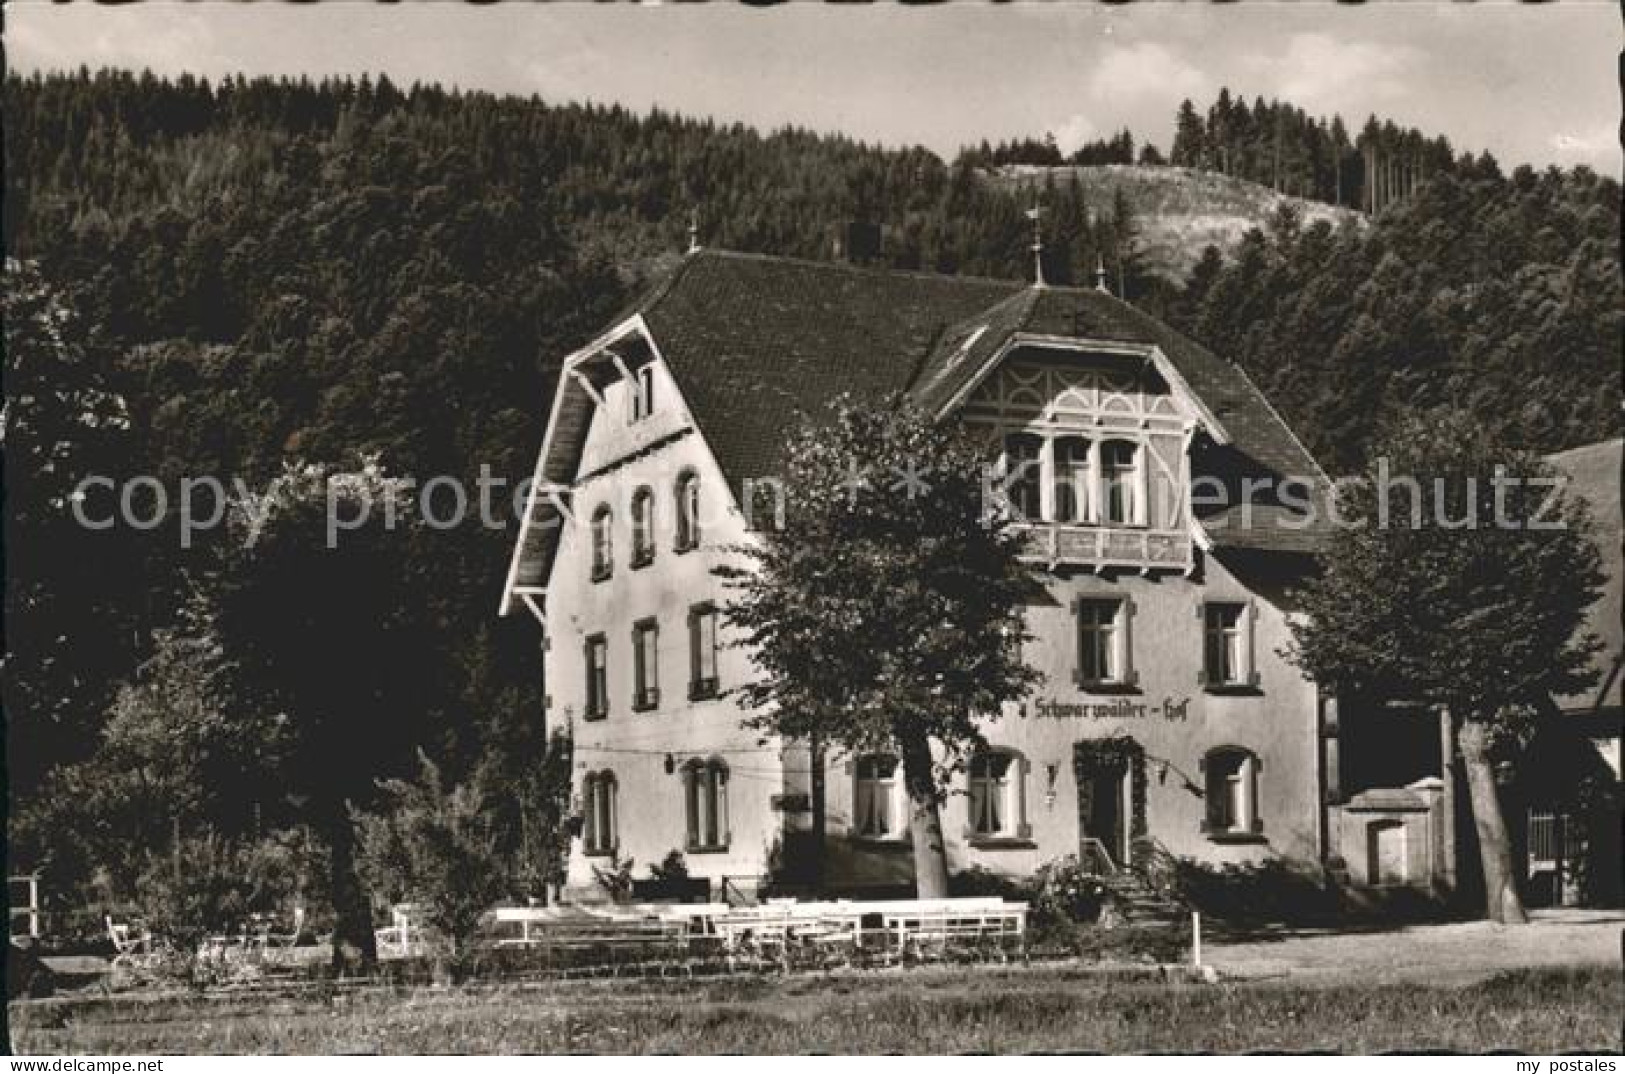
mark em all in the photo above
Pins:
pixel 943 925
pixel 540 927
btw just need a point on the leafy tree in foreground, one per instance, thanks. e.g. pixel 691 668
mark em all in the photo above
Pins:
pixel 882 615
pixel 69 589
pixel 1434 600
pixel 323 625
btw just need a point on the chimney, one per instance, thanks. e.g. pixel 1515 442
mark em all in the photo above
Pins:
pixel 858 241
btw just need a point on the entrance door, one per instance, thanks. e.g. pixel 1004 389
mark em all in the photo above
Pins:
pixel 1103 818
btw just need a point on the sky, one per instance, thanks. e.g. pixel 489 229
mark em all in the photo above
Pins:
pixel 1533 85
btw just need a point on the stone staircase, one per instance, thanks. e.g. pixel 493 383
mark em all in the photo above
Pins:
pixel 1137 904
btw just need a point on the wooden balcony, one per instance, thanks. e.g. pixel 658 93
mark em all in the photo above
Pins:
pixel 1131 547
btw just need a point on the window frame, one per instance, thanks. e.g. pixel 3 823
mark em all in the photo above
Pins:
pixel 602 533
pixel 686 527
pixel 1011 798
pixel 1079 483
pixel 1245 679
pixel 646 664
pixel 596 703
pixel 701 687
pixel 705 806
pixel 600 829
pixel 1231 812
pixel 641 394
pixel 1034 473
pixel 1135 515
pixel 643 527
pixel 1121 677
pixel 891 785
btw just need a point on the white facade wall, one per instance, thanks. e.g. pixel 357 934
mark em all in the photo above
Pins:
pixel 1168 712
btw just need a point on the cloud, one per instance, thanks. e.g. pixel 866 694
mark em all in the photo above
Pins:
pixel 1318 72
pixel 1144 72
pixel 164 39
pixel 1074 131
pixel 1598 146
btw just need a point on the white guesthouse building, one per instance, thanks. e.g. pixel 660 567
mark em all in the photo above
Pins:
pixel 1168 717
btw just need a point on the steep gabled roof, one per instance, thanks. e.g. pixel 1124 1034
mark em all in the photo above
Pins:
pixel 758 342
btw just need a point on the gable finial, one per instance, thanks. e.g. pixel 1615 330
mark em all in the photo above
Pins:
pixel 1036 215
pixel 1100 275
pixel 693 232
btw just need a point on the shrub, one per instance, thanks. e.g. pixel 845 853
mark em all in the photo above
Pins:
pixel 200 888
pixel 978 881
pixel 617 879
pixel 1275 890
pixel 1061 893
pixel 1064 890
pixel 435 847
pixel 674 867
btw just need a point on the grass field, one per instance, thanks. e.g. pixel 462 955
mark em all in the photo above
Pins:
pixel 937 1009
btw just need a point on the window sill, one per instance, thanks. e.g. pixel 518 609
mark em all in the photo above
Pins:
pixel 1000 842
pixel 608 852
pixel 702 690
pixel 1233 689
pixel 881 842
pixel 684 549
pixel 1236 838
pixel 591 717
pixel 1107 687
pixel 646 702
pixel 719 849
pixel 640 562
pixel 602 575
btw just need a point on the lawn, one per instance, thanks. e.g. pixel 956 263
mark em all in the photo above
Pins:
pixel 934 1009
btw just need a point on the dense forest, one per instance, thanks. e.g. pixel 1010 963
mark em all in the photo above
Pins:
pixel 1046 152
pixel 1279 145
pixel 224 279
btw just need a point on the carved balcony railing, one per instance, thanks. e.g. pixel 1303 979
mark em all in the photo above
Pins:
pixel 1131 547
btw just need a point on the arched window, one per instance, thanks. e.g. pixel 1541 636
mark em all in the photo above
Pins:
pixel 996 795
pixel 1232 791
pixel 1023 473
pixel 688 511
pixel 876 797
pixel 1072 480
pixel 598 800
pixel 705 786
pixel 1120 482
pixel 643 526
pixel 603 542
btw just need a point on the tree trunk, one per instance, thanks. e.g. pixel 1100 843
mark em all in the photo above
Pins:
pixel 355 947
pixel 820 821
pixel 925 819
pixel 1494 849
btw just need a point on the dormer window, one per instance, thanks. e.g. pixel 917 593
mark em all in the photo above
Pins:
pixel 603 543
pixel 1073 502
pixel 1023 469
pixel 643 392
pixel 1120 482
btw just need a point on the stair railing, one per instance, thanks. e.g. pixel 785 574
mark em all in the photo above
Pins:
pixel 1097 858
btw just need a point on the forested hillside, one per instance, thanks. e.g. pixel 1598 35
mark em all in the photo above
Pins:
pixel 1177 212
pixel 232 277
pixel 1497 295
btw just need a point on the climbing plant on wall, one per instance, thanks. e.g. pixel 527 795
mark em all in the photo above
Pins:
pixel 1112 758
